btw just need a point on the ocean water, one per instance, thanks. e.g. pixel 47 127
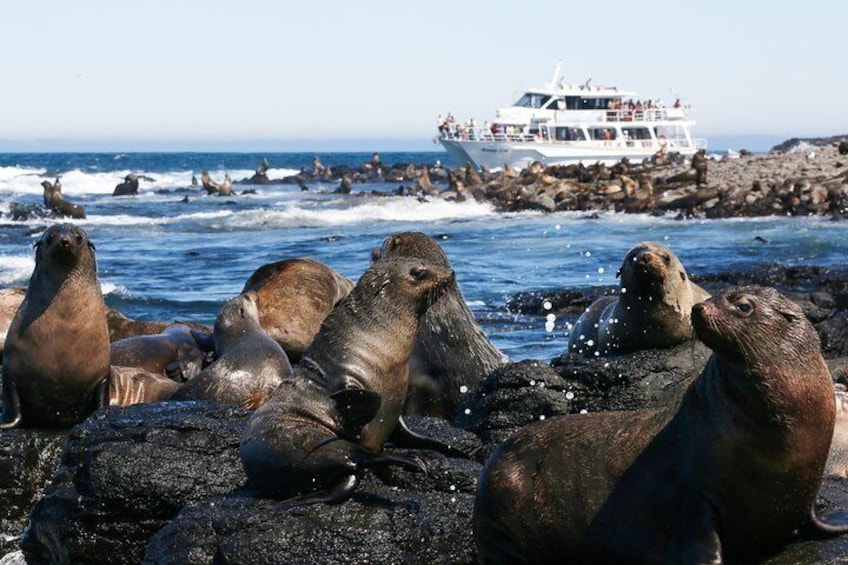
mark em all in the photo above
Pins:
pixel 161 258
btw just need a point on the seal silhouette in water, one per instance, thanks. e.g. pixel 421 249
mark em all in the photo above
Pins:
pixel 728 475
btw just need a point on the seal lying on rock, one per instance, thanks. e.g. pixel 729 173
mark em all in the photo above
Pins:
pixel 452 353
pixel 730 475
pixel 294 297
pixel 174 352
pixel 652 309
pixel 57 347
pixel 250 364
pixel 329 421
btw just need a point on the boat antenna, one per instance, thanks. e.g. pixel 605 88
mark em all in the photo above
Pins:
pixel 555 76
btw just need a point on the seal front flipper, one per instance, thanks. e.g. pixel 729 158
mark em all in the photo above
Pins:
pixel 356 407
pixel 11 416
pixel 404 437
pixel 833 523
pixel 335 495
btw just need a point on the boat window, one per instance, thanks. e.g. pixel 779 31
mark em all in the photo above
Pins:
pixel 595 103
pixel 572 102
pixel 569 134
pixel 532 100
pixel 636 133
pixel 602 134
pixel 556 104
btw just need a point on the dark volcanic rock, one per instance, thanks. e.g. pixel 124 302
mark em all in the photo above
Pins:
pixel 524 392
pixel 391 527
pixel 126 472
pixel 27 460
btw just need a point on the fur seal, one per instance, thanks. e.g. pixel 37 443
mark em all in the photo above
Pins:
pixel 133 385
pixel 57 347
pixel 209 185
pixel 652 309
pixel 321 427
pixel 49 190
pixel 226 187
pixel 452 353
pixel 174 352
pixel 726 476
pixel 250 364
pixel 127 188
pixel 294 296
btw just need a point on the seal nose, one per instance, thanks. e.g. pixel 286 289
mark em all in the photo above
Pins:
pixel 65 240
pixel 698 309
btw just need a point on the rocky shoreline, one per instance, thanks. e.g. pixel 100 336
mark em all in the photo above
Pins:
pixel 163 483
pixel 797 178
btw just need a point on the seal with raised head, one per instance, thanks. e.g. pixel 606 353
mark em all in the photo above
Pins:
pixel 452 353
pixel 174 352
pixel 728 475
pixel 327 422
pixel 127 188
pixel 294 296
pixel 57 347
pixel 652 309
pixel 249 364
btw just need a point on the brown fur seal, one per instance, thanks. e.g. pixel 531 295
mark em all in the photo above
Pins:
pixel 452 353
pixel 57 348
pixel 727 476
pixel 63 209
pixel 651 310
pixel 127 188
pixel 132 385
pixel 173 352
pixel 10 301
pixel 226 187
pixel 250 364
pixel 294 297
pixel 49 191
pixel 330 420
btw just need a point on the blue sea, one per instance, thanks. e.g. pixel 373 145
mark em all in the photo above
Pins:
pixel 161 258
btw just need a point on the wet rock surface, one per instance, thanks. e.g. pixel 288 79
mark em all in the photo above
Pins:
pixel 126 472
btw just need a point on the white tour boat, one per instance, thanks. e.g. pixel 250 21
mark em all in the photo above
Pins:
pixel 565 123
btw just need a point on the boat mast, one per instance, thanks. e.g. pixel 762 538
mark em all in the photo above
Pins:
pixel 555 77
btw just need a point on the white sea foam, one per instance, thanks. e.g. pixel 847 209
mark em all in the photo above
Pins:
pixel 15 270
pixel 360 211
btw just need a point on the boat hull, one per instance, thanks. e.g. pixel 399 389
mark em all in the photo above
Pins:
pixel 494 155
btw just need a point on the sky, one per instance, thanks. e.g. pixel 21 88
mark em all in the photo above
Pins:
pixel 266 74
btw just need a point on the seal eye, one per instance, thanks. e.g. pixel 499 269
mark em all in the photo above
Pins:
pixel 79 239
pixel 744 307
pixel 418 273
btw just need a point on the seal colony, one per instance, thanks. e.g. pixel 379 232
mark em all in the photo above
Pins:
pixel 750 436
pixel 321 428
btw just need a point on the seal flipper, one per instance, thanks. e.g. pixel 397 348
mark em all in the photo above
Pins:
pixel 404 437
pixel 11 416
pixel 335 495
pixel 356 407
pixel 834 523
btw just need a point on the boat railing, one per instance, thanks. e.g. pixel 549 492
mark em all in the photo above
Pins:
pixel 467 133
pixel 645 115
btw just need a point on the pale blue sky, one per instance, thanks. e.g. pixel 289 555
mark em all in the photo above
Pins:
pixel 216 72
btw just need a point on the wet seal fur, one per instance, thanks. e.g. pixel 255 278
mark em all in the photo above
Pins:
pixel 452 353
pixel 174 352
pixel 652 309
pixel 294 296
pixel 727 476
pixel 310 442
pixel 57 347
pixel 250 364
